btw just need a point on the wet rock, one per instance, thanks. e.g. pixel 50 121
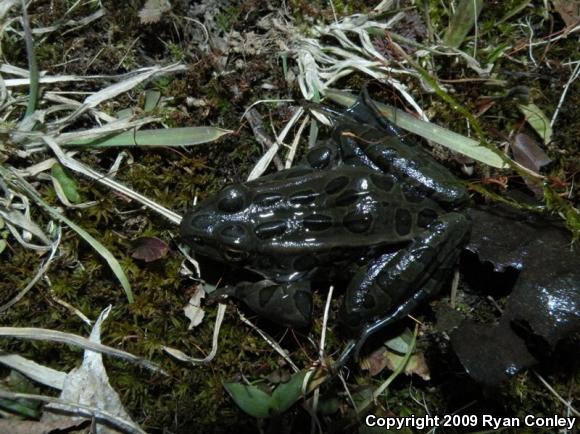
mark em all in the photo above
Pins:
pixel 544 304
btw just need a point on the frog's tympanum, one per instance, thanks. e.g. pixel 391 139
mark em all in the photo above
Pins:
pixel 364 204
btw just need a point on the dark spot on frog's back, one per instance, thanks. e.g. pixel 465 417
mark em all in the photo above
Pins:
pixel 336 185
pixel 403 221
pixel 425 217
pixel 349 197
pixel 233 199
pixel 384 182
pixel 319 157
pixel 357 223
pixel 267 199
pixel 270 229
pixel 317 222
pixel 303 197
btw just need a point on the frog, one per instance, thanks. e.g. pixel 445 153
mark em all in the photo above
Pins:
pixel 366 205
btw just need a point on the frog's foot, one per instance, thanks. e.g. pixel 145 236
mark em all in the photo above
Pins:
pixel 393 285
pixel 288 304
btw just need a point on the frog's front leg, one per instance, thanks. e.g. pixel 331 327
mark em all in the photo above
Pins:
pixel 288 304
pixel 391 286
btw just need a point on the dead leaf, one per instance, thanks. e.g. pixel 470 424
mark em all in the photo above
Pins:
pixel 33 427
pixel 569 10
pixel 149 249
pixel 89 385
pixel 192 310
pixel 384 358
pixel 528 153
pixel 153 10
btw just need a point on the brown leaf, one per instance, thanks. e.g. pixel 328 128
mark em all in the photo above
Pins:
pixel 569 10
pixel 376 361
pixel 384 358
pixel 149 249
pixel 528 153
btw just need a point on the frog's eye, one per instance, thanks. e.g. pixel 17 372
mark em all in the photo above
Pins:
pixel 235 255
pixel 233 199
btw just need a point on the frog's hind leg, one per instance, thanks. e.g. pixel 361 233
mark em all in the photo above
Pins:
pixel 287 304
pixel 392 286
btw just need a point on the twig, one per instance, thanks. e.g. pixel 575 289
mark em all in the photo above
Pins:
pixel 333 11
pixel 179 355
pixel 263 163
pixel 255 121
pixel 557 395
pixel 454 286
pixel 575 74
pixel 325 322
pixel 270 342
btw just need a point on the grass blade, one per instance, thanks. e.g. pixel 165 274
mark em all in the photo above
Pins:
pixel 187 136
pixel 538 120
pixel 451 140
pixel 462 22
pixel 32 65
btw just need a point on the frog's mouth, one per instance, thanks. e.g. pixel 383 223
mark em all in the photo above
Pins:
pixel 203 246
pixel 235 255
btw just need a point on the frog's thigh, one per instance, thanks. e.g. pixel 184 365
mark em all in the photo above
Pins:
pixel 391 286
pixel 288 304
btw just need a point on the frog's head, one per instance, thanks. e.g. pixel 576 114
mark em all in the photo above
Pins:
pixel 218 228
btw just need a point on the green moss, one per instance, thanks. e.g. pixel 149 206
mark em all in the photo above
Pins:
pixel 228 18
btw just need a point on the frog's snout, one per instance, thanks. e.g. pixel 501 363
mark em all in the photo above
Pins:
pixel 194 226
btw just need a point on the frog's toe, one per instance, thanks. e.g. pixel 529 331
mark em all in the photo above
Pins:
pixel 288 304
